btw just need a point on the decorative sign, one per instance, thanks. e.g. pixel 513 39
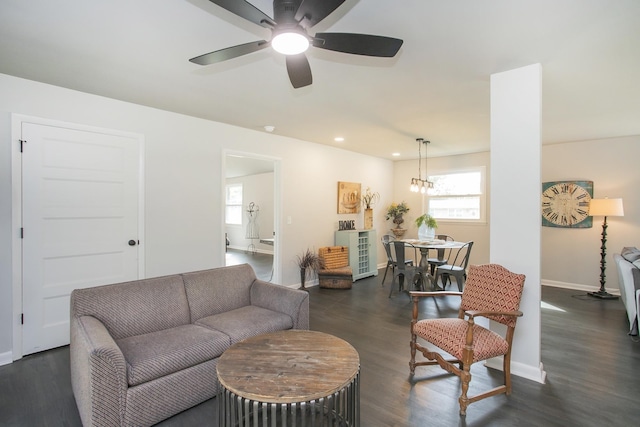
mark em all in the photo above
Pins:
pixel 566 204
pixel 347 225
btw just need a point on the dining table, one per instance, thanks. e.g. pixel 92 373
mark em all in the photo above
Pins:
pixel 425 246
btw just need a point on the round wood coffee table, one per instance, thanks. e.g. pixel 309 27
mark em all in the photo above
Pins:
pixel 290 378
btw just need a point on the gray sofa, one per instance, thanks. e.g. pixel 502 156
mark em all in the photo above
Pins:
pixel 628 262
pixel 145 350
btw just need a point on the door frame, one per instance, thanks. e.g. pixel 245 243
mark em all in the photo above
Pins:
pixel 16 209
pixel 277 206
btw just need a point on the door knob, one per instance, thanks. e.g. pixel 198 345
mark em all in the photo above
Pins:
pixel 132 242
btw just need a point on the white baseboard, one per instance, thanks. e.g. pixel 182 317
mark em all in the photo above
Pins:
pixel 6 358
pixel 520 369
pixel 577 286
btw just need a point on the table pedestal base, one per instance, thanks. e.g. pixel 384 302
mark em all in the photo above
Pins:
pixel 340 409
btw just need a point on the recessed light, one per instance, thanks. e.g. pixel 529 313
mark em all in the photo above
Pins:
pixel 395 154
pixel 269 128
pixel 338 139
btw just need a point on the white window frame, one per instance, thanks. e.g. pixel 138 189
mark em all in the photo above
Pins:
pixel 482 196
pixel 233 205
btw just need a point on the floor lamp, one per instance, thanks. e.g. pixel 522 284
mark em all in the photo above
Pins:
pixel 604 207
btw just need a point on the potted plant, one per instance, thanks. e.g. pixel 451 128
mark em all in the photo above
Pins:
pixel 396 211
pixel 368 200
pixel 426 227
pixel 308 262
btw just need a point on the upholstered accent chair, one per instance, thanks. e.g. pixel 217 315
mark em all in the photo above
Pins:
pixel 491 291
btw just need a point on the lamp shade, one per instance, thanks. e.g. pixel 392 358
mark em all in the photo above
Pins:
pixel 606 207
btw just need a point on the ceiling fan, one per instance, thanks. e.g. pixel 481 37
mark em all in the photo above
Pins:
pixel 289 27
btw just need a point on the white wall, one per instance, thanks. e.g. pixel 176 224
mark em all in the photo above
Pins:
pixel 571 257
pixel 183 156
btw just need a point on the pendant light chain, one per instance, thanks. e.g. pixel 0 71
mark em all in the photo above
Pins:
pixel 418 184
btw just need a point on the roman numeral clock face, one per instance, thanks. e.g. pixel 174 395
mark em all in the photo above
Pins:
pixel 566 204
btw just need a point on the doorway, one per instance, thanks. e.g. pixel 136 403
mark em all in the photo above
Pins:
pixel 251 211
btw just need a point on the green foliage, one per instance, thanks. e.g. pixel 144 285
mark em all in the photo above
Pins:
pixel 395 210
pixel 428 220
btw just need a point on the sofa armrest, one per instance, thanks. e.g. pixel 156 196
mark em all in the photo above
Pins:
pixel 279 298
pixel 98 373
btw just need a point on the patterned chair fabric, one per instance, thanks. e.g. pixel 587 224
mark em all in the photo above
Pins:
pixel 491 291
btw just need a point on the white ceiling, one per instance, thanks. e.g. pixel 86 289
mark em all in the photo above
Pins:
pixel 437 87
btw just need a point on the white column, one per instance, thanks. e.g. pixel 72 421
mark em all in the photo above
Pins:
pixel 515 202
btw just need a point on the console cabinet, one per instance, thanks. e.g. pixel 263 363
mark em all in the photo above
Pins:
pixel 362 251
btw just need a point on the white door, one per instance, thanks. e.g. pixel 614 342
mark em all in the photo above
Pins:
pixel 80 207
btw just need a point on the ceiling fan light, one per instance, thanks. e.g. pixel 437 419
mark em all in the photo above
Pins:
pixel 290 43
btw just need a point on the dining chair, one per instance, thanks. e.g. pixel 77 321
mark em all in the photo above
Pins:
pixel 405 272
pixel 442 256
pixel 386 243
pixel 457 269
pixel 493 292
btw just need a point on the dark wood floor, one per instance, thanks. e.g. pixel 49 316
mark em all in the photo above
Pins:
pixel 593 369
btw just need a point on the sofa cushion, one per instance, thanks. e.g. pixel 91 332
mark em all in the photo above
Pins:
pixel 246 322
pixel 218 290
pixel 135 308
pixel 157 354
pixel 631 254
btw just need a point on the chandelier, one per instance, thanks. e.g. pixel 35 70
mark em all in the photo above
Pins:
pixel 418 184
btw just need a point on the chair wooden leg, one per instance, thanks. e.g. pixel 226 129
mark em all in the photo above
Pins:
pixel 465 377
pixel 412 362
pixel 506 367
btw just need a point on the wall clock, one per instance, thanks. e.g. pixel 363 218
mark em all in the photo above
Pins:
pixel 566 204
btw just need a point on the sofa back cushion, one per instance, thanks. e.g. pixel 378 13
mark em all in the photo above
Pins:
pixel 631 254
pixel 218 290
pixel 135 308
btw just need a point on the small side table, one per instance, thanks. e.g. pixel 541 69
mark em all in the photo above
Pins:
pixel 290 378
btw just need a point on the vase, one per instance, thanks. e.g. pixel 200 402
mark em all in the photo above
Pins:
pixel 368 219
pixel 426 233
pixel 303 277
pixel 398 232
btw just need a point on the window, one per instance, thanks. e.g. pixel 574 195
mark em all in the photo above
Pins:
pixel 458 196
pixel 233 209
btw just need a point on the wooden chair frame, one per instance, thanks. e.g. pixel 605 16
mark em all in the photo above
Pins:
pixel 464 364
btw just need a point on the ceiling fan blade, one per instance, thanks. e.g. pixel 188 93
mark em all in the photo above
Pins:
pixel 358 44
pixel 229 53
pixel 315 11
pixel 247 11
pixel 299 70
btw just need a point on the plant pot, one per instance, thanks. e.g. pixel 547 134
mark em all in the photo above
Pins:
pixel 368 219
pixel 398 232
pixel 426 233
